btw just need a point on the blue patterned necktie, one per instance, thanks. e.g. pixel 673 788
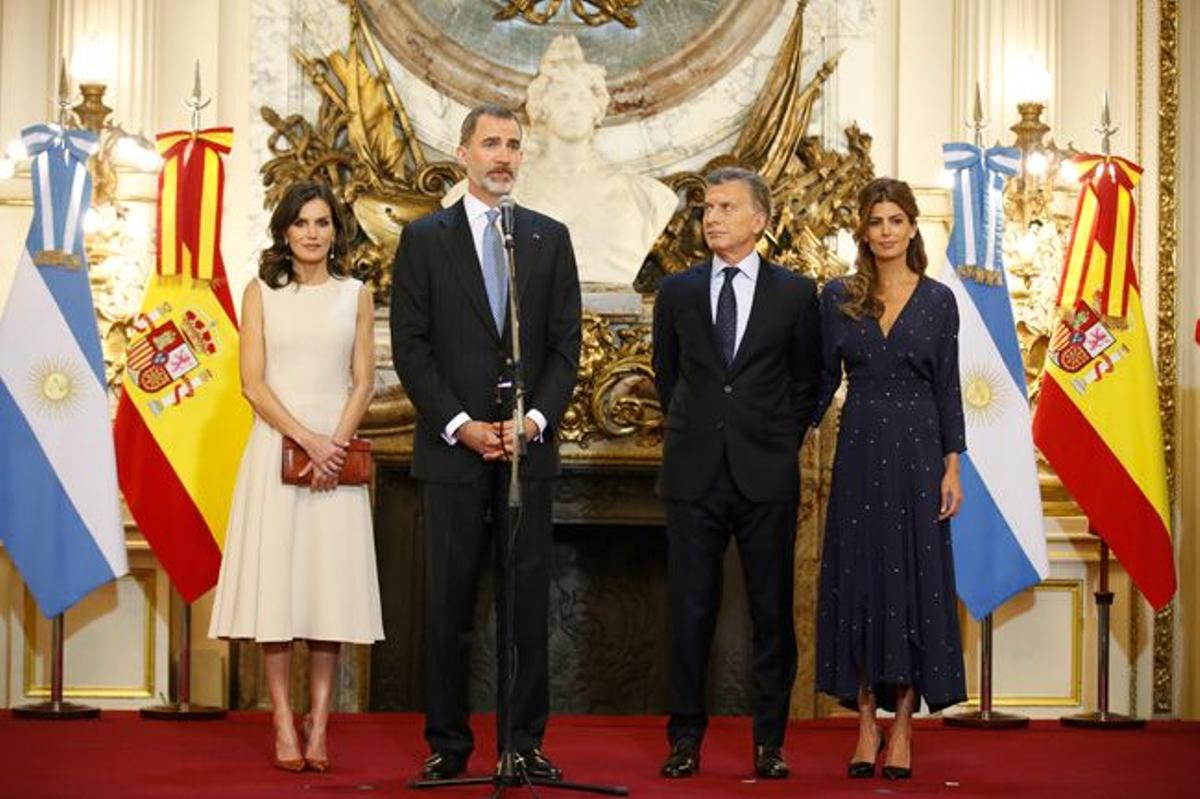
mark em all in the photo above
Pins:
pixel 495 270
pixel 726 324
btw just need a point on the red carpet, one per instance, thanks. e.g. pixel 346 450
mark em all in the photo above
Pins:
pixel 121 755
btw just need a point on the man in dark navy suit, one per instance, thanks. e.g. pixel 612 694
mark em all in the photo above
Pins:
pixel 736 361
pixel 450 345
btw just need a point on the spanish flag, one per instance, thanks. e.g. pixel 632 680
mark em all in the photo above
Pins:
pixel 181 421
pixel 1097 421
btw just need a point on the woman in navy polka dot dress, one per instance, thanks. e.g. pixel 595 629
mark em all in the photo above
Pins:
pixel 887 625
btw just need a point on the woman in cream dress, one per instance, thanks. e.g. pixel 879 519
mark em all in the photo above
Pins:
pixel 299 561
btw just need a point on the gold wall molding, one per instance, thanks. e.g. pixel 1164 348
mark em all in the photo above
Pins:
pixel 1139 102
pixel 1168 165
pixel 146 578
pixel 1074 697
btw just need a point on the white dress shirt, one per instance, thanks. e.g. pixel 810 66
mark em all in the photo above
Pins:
pixel 477 218
pixel 743 289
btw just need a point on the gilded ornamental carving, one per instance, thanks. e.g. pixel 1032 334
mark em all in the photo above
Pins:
pixel 590 12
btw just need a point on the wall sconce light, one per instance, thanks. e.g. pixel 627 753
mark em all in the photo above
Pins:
pixel 91 67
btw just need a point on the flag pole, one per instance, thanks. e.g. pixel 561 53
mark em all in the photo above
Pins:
pixel 985 717
pixel 56 708
pixel 1102 718
pixel 183 709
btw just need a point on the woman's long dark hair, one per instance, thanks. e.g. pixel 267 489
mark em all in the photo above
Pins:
pixel 275 265
pixel 863 284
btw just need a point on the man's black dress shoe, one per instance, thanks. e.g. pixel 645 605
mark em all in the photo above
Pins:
pixel 443 766
pixel 537 765
pixel 865 769
pixel 769 763
pixel 684 760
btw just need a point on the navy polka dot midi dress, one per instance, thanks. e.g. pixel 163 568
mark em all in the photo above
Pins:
pixel 887 611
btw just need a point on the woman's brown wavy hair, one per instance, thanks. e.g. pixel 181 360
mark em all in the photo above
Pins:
pixel 863 284
pixel 275 262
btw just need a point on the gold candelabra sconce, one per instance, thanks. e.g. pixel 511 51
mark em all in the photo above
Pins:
pixel 1029 196
pixel 90 65
pixel 1033 241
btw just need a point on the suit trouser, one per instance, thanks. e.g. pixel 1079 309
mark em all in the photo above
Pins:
pixel 460 518
pixel 698 533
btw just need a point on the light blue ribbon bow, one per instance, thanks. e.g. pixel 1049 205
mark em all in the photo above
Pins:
pixel 976 243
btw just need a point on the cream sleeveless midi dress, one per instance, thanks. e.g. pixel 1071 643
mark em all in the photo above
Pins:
pixel 299 564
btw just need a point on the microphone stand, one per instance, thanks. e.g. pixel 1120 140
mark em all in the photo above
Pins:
pixel 510 770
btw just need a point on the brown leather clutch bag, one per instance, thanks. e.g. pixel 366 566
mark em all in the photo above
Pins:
pixel 357 471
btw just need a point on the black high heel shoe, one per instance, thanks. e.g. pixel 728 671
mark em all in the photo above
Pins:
pixel 899 772
pixel 865 769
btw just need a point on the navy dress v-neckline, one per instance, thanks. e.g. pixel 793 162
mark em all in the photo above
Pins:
pixel 886 334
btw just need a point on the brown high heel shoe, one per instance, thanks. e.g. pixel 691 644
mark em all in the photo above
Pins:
pixel 317 764
pixel 292 764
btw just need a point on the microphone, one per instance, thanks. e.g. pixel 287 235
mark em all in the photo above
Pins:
pixel 508 224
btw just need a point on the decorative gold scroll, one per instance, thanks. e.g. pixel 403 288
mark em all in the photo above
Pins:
pixel 605 11
pixel 615 395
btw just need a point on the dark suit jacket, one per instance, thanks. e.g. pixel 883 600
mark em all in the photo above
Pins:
pixel 758 408
pixel 445 346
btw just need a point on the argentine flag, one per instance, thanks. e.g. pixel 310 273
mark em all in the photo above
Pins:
pixel 998 536
pixel 60 519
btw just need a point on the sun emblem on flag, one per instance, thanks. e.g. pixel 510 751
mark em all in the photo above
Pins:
pixel 56 385
pixel 983 389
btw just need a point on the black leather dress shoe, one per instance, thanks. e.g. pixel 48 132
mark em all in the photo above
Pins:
pixel 684 760
pixel 443 766
pixel 769 763
pixel 537 765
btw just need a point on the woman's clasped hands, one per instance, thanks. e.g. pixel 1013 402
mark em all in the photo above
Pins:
pixel 326 459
